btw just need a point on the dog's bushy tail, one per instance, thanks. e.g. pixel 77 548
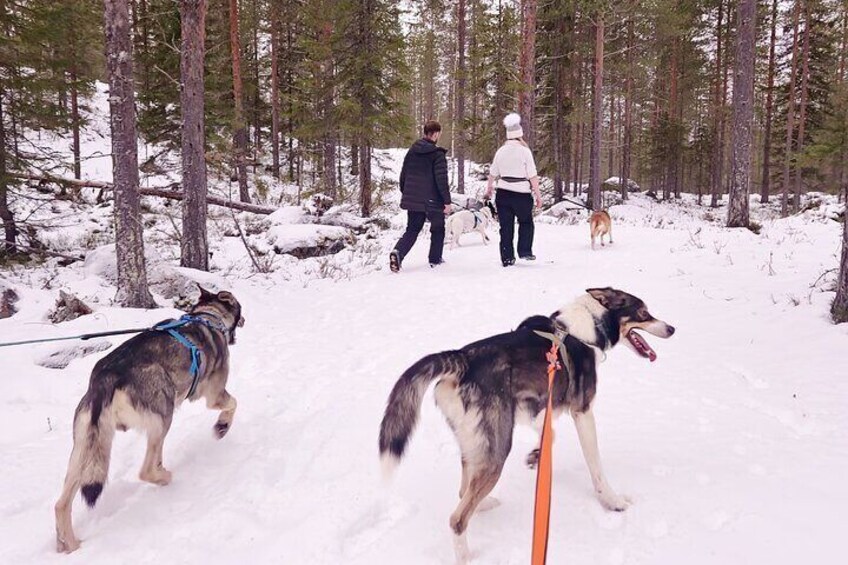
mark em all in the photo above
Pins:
pixel 94 429
pixel 405 402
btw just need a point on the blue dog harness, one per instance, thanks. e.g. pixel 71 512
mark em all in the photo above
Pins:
pixel 172 327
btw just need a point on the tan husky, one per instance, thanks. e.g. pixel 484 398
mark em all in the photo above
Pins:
pixel 600 224
pixel 139 385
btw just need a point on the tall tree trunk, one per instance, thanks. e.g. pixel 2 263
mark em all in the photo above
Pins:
pixel 560 126
pixel 366 31
pixel 743 115
pixel 500 79
pixel 194 246
pixel 802 111
pixel 790 114
pixel 765 186
pixel 673 164
pixel 728 28
pixel 718 111
pixel 75 121
pixel 354 158
pixel 578 157
pixel 328 177
pixel 611 138
pixel 257 98
pixel 289 85
pixel 527 94
pixel 10 230
pixel 239 125
pixel 129 243
pixel 365 178
pixel 459 122
pixel 839 307
pixel 597 117
pixel 275 88
pixel 430 59
pixel 627 150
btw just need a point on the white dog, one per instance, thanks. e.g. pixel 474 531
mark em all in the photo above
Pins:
pixel 467 221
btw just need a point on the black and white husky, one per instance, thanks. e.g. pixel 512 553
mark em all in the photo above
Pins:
pixel 486 386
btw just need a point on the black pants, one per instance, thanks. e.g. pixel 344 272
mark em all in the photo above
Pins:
pixel 512 205
pixel 415 221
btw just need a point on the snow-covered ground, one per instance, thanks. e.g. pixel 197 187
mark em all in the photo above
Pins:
pixel 733 445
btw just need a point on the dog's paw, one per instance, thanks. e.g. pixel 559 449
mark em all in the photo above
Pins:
pixel 532 459
pixel 161 477
pixel 220 429
pixel 67 545
pixel 614 502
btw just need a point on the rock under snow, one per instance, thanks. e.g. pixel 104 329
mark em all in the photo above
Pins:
pixel 613 183
pixel 308 240
pixel 68 307
pixel 345 217
pixel 289 215
pixel 8 298
pixel 177 284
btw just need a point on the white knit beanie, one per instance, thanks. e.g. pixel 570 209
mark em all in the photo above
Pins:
pixel 512 122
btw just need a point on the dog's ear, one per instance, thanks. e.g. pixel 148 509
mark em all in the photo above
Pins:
pixel 227 297
pixel 204 294
pixel 608 297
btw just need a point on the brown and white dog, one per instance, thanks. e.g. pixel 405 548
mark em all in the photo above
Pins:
pixel 600 224
pixel 487 386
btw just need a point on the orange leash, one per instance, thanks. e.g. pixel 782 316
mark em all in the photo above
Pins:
pixel 542 512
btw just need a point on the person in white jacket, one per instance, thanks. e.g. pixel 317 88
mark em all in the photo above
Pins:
pixel 513 173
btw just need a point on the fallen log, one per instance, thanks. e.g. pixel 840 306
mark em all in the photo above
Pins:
pixel 161 192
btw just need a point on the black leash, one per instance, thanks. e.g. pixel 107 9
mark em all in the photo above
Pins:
pixel 82 337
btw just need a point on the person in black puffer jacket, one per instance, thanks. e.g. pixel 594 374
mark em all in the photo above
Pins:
pixel 425 195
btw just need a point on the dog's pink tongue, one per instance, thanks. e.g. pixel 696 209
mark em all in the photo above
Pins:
pixel 642 346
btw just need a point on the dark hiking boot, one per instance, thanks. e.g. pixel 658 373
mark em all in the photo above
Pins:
pixel 508 262
pixel 434 264
pixel 528 257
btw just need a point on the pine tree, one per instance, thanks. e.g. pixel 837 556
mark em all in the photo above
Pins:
pixel 597 117
pixel 194 246
pixel 527 94
pixel 743 115
pixel 839 308
pixel 460 94
pixel 129 246
pixel 765 187
pixel 47 36
pixel 790 114
pixel 275 24
pixel 554 104
pixel 374 77
pixel 240 134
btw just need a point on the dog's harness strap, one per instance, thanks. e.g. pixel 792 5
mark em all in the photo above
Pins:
pixel 171 329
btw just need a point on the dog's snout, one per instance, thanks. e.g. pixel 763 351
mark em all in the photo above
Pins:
pixel 670 330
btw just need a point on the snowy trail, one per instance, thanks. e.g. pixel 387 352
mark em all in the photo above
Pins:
pixel 732 445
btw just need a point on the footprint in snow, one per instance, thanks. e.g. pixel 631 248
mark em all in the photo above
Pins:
pixel 377 521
